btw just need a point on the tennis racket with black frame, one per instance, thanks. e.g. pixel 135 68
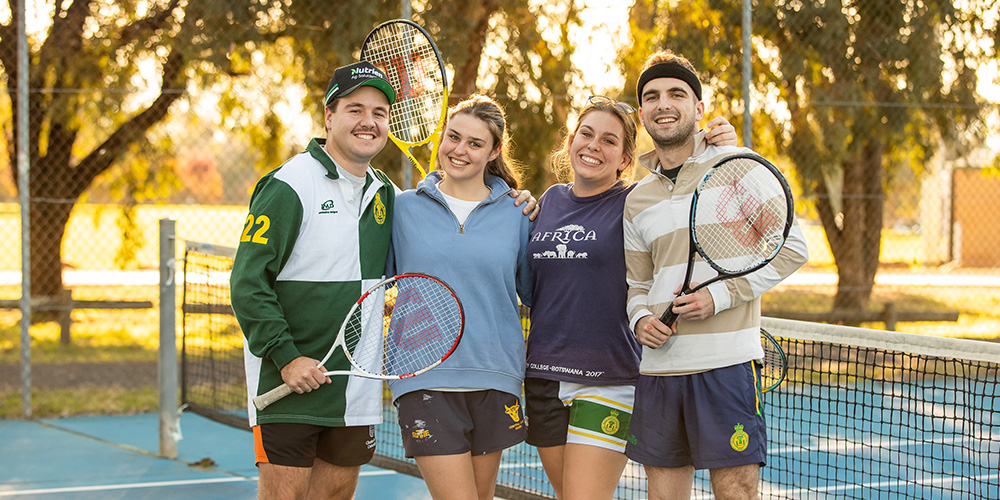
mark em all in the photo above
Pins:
pixel 401 327
pixel 775 363
pixel 741 215
pixel 408 56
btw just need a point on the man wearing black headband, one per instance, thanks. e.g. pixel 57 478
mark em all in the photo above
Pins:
pixel 697 405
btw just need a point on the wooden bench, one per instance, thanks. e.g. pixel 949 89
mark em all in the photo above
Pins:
pixel 65 305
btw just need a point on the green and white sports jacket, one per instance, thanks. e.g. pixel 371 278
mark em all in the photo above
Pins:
pixel 304 259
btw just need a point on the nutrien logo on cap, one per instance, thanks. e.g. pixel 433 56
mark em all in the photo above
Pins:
pixel 366 72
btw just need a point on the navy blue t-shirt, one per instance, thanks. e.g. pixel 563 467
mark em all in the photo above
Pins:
pixel 579 324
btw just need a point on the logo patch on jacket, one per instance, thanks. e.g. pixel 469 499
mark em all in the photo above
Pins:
pixel 327 207
pixel 379 209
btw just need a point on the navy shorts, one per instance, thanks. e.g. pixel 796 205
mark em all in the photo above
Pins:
pixel 709 420
pixel 297 445
pixel 451 423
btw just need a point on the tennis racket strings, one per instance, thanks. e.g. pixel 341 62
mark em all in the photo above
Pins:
pixel 411 324
pixel 410 60
pixel 740 216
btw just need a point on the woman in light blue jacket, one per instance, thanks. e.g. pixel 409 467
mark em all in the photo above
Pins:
pixel 457 225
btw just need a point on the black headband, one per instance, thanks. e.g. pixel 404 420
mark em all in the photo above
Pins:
pixel 668 70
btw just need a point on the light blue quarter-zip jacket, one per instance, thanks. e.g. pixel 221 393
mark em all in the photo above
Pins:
pixel 485 262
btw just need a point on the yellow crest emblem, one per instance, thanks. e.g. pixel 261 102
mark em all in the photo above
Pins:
pixel 610 425
pixel 513 412
pixel 740 439
pixel 379 209
pixel 420 433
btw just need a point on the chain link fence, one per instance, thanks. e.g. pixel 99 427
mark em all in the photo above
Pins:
pixel 880 151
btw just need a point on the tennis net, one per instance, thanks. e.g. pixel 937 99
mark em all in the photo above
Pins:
pixel 862 414
pixel 212 379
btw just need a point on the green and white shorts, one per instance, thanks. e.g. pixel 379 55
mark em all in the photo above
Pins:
pixel 565 412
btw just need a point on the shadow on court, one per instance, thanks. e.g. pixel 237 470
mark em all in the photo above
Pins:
pixel 116 458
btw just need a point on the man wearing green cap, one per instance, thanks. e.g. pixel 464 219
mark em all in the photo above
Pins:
pixel 316 236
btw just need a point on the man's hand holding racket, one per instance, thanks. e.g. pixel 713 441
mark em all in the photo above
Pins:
pixel 693 306
pixel 652 332
pixel 303 374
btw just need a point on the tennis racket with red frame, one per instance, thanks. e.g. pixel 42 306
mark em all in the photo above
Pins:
pixel 741 215
pixel 408 56
pixel 401 327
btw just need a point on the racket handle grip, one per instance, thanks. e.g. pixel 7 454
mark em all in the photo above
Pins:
pixel 669 316
pixel 265 400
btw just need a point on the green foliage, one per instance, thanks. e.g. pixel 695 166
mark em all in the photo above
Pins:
pixel 857 97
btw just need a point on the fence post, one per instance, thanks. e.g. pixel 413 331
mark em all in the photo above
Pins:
pixel 24 194
pixel 889 316
pixel 167 369
pixel 747 72
pixel 65 314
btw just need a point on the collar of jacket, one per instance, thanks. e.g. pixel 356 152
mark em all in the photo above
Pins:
pixel 429 186
pixel 318 152
pixel 651 162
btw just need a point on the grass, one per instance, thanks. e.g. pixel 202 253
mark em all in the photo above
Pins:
pixel 978 307
pixel 131 336
pixel 52 403
pixel 98 336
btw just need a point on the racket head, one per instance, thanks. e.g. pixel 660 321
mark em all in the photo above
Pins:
pixel 408 56
pixel 402 327
pixel 775 366
pixel 741 214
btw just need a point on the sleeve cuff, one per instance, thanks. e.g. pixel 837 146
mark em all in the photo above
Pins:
pixel 642 313
pixel 283 354
pixel 720 296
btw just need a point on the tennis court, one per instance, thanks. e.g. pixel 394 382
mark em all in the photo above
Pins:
pixel 116 458
pixel 862 414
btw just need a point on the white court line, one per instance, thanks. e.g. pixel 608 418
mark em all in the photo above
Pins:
pixel 939 481
pixel 848 446
pixel 108 487
pixel 159 484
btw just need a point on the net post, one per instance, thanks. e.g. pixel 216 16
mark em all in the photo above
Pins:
pixel 167 366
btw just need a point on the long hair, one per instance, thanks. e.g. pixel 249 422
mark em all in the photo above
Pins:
pixel 561 163
pixel 489 112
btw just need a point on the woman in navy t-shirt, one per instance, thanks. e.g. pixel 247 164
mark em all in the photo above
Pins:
pixel 583 360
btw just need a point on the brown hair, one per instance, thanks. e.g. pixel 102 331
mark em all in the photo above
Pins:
pixel 666 56
pixel 561 165
pixel 489 112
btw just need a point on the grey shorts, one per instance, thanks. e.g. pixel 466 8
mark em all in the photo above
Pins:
pixel 451 423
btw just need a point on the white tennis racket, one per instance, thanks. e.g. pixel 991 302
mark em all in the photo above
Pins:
pixel 740 218
pixel 407 54
pixel 401 327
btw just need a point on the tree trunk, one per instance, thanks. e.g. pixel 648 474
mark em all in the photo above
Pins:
pixel 857 250
pixel 48 224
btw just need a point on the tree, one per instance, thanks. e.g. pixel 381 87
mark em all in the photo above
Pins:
pixel 854 89
pixel 105 74
pixel 85 64
pixel 530 76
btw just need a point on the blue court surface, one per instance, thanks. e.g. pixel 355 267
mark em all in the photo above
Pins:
pixel 116 458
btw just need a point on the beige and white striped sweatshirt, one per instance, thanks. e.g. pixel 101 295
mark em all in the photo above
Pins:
pixel 656 253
